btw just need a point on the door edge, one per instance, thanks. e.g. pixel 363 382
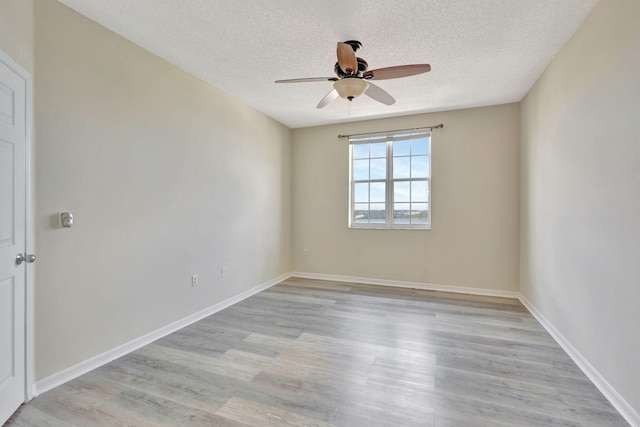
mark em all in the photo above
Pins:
pixel 29 224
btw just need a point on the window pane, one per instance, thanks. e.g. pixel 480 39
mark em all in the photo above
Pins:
pixel 402 148
pixel 419 191
pixel 401 213
pixel 377 192
pixel 378 168
pixel 419 166
pixel 418 213
pixel 360 169
pixel 377 214
pixel 378 149
pixel 401 192
pixel 401 168
pixel 375 181
pixel 419 146
pixel 361 192
pixel 361 213
pixel 360 151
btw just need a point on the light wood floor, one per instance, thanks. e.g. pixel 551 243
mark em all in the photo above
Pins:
pixel 319 353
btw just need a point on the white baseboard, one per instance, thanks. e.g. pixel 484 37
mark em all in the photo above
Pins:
pixel 85 366
pixel 411 285
pixel 621 405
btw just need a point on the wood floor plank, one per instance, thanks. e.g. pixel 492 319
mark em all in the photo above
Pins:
pixel 192 359
pixel 325 353
pixel 255 414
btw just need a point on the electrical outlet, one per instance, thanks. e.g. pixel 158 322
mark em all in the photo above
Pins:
pixel 305 252
pixel 194 280
pixel 223 271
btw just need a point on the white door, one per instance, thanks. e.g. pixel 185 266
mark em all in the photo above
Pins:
pixel 12 240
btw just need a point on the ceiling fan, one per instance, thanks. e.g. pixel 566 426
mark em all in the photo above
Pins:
pixel 354 78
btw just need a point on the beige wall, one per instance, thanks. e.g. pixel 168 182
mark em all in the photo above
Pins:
pixel 166 175
pixel 580 226
pixel 474 238
pixel 16 31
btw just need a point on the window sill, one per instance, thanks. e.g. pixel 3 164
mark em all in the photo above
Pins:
pixel 360 227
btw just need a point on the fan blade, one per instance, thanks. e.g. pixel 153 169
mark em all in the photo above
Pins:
pixel 396 72
pixel 347 59
pixel 311 79
pixel 328 98
pixel 379 94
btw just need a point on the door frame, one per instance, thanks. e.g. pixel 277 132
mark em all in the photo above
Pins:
pixel 29 225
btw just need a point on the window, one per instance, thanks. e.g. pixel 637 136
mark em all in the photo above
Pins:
pixel 390 180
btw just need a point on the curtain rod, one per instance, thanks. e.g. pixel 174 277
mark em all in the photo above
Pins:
pixel 440 126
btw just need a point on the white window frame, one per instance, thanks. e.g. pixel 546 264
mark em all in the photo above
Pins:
pixel 389 138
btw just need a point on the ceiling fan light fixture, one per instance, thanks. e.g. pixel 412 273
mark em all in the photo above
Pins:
pixel 350 88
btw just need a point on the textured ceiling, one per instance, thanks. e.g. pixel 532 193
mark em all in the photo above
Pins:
pixel 482 52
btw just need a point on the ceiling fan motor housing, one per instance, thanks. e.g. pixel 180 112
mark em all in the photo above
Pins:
pixel 362 67
pixel 355 44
